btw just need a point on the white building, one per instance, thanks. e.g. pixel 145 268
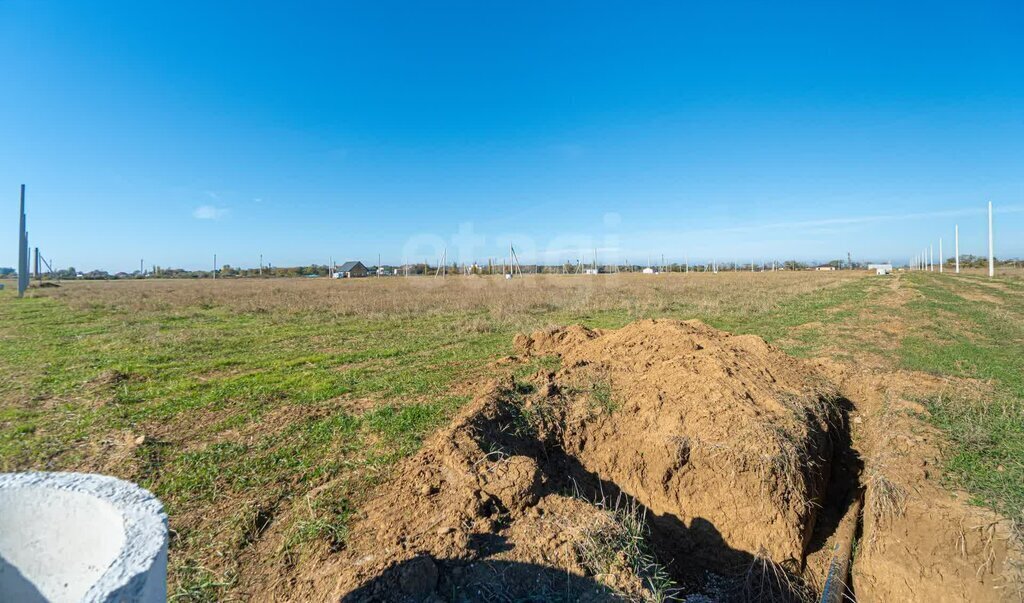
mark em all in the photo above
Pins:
pixel 881 269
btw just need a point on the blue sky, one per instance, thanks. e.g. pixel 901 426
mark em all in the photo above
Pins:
pixel 730 130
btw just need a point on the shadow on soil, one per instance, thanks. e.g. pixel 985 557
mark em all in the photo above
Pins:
pixel 696 556
pixel 426 578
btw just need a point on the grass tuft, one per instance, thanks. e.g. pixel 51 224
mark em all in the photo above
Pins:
pixel 620 545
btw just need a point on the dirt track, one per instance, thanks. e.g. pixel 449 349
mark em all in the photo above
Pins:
pixel 751 472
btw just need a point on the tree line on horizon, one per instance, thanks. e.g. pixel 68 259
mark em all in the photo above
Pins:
pixel 323 270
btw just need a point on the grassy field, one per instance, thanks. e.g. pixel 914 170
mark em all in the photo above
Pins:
pixel 246 403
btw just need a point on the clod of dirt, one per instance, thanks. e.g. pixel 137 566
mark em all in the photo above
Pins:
pixel 515 482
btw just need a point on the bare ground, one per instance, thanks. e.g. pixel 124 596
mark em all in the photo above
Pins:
pixel 754 474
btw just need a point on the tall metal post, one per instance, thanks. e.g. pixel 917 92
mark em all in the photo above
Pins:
pixel 956 235
pixel 991 256
pixel 22 249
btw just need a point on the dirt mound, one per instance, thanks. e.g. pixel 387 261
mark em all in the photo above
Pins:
pixel 707 429
pixel 662 450
pixel 662 458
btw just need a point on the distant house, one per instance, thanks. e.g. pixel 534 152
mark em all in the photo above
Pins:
pixel 880 269
pixel 351 270
pixel 825 268
pixel 649 270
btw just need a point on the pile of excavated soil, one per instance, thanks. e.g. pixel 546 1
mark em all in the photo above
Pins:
pixel 722 443
pixel 735 460
pixel 725 439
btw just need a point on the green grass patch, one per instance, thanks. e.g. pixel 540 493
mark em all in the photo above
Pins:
pixel 247 410
pixel 987 459
pixel 979 340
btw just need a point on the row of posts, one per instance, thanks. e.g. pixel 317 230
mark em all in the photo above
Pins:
pixel 926 259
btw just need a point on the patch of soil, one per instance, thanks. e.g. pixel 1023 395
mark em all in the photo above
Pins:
pixel 919 541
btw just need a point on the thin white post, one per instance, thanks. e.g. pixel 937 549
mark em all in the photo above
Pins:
pixel 931 258
pixel 942 260
pixel 991 257
pixel 956 235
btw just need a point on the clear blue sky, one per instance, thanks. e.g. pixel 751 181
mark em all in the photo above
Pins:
pixel 730 130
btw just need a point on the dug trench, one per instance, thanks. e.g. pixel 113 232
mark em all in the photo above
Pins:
pixel 664 460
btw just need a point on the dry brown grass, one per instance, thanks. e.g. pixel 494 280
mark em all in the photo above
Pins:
pixel 704 294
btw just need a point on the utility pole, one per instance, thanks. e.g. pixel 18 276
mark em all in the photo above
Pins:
pixel 142 269
pixel 261 264
pixel 849 261
pixel 931 257
pixel 942 260
pixel 22 250
pixel 956 236
pixel 991 256
pixel 215 266
pixel 442 269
